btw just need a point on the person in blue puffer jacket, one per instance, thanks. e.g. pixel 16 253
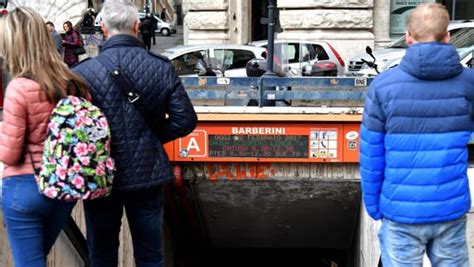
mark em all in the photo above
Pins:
pixel 163 112
pixel 417 121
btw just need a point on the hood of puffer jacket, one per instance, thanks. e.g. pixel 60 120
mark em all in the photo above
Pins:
pixel 432 61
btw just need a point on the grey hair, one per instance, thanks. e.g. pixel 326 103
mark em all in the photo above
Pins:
pixel 119 16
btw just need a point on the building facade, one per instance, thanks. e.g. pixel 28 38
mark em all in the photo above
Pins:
pixel 53 10
pixel 172 8
pixel 349 25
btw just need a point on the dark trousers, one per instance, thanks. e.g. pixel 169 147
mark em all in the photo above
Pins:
pixel 147 41
pixel 144 210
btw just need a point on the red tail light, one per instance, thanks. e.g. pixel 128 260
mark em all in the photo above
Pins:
pixel 325 65
pixel 337 56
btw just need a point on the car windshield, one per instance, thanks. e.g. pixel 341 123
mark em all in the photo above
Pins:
pixel 463 38
pixel 399 43
pixel 463 52
pixel 460 38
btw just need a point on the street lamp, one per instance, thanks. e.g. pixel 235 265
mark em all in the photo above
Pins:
pixel 269 67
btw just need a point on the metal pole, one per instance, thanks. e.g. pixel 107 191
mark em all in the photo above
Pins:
pixel 270 46
pixel 271 35
pixel 454 10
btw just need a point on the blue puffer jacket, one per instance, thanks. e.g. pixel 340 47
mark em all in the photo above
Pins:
pixel 140 158
pixel 417 121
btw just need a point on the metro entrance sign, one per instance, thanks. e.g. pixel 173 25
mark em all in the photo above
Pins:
pixel 269 142
pixel 193 145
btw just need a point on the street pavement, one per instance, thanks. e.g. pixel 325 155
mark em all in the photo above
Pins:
pixel 164 42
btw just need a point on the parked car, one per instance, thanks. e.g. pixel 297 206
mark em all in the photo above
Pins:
pixel 390 57
pixel 164 28
pixel 299 58
pixel 467 56
pixel 257 67
pixel 226 60
pixel 464 41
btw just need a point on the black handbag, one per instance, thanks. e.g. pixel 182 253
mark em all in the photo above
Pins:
pixel 79 51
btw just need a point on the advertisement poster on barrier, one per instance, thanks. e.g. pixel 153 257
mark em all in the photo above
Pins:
pixel 399 12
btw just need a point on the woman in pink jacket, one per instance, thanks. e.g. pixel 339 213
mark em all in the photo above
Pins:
pixel 39 79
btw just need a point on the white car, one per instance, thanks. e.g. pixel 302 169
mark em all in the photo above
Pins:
pixel 298 54
pixel 390 57
pixel 162 27
pixel 230 60
pixel 467 58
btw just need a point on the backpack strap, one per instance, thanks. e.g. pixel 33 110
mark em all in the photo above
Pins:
pixel 126 87
pixel 121 81
pixel 35 170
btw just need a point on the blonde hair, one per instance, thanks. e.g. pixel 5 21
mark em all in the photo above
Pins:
pixel 428 22
pixel 28 51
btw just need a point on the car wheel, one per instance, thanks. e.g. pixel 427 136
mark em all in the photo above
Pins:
pixel 165 32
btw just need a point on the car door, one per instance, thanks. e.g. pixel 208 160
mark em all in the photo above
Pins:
pixel 467 59
pixel 295 56
pixel 185 64
pixel 321 54
pixel 233 61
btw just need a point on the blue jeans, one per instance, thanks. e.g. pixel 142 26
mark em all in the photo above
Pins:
pixel 33 221
pixel 144 209
pixel 406 244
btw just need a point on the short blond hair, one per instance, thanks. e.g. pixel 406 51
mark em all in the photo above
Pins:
pixel 428 22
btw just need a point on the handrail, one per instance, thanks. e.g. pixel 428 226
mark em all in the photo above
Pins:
pixel 77 240
pixel 301 88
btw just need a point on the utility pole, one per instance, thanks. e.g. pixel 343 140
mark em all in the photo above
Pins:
pixel 270 46
pixel 453 17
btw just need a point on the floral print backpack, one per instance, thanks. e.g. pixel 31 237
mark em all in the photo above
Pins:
pixel 76 162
